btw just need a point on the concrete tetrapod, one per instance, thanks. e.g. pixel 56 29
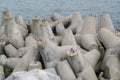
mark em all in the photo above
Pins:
pixel 76 60
pixel 68 39
pixel 88 74
pixel 56 16
pixel 50 51
pixel 64 21
pixel 106 22
pixel 64 71
pixel 30 56
pixel 76 22
pixel 23 27
pixel 111 65
pixel 6 12
pixel 19 20
pixel 14 35
pixel 35 26
pixel 89 26
pixel 11 51
pixel 30 41
pixel 93 56
pixel 60 29
pixel 80 65
pixel 108 38
pixel 89 42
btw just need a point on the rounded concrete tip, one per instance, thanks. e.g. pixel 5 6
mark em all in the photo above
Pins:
pixel 36 18
pixel 6 10
pixel 71 52
pixel 7 17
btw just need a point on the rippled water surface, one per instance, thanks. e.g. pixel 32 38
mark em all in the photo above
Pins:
pixel 45 8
